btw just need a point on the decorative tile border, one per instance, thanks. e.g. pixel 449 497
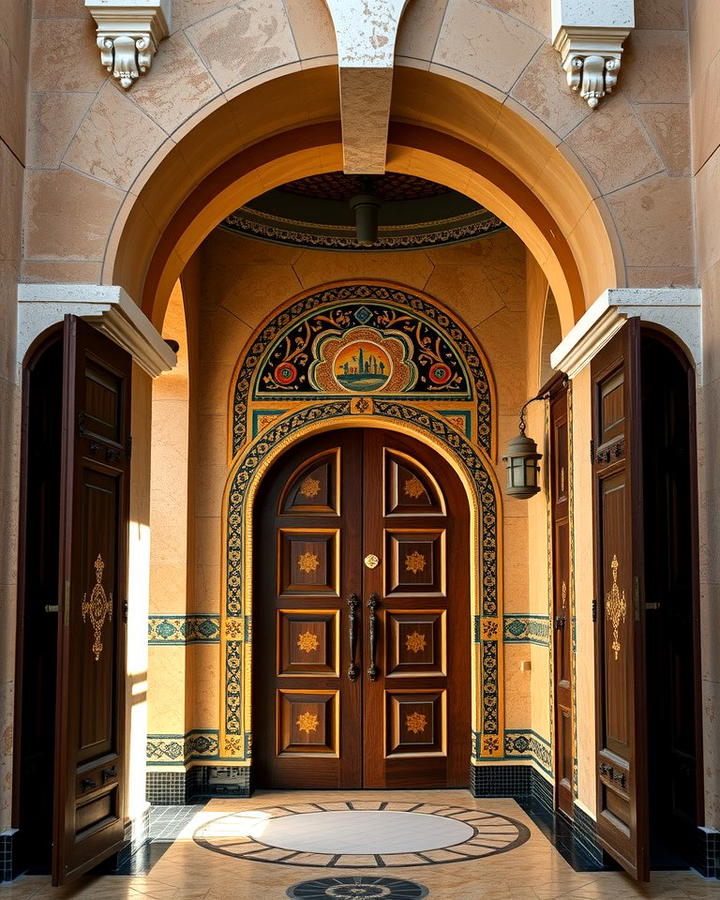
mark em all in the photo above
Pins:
pixel 524 743
pixel 526 629
pixel 250 466
pixel 179 749
pixel 173 630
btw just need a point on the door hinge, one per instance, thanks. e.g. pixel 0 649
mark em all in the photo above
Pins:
pixel 128 447
pixel 66 604
pixel 592 452
pixel 636 597
pixel 594 609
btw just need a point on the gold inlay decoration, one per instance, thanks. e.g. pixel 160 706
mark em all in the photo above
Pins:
pixel 414 562
pixel 615 606
pixel 415 642
pixel 307 722
pixel 308 642
pixel 98 607
pixel 308 562
pixel 310 487
pixel 416 723
pixel 371 561
pixel 413 488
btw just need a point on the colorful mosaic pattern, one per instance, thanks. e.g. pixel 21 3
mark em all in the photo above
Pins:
pixel 172 630
pixel 526 629
pixel 179 749
pixel 285 360
pixel 238 624
pixel 527 744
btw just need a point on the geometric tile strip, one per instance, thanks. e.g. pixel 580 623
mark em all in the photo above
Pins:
pixel 492 833
pixel 526 744
pixel 171 630
pixel 526 629
pixel 178 749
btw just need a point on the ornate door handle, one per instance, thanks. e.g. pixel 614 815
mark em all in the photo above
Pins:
pixel 373 604
pixel 353 604
pixel 559 623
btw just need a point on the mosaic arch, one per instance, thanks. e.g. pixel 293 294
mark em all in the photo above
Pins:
pixel 362 339
pixel 485 588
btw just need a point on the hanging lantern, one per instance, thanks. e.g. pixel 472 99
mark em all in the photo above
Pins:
pixel 521 463
pixel 366 208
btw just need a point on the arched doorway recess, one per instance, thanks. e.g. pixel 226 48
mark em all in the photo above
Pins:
pixel 482 492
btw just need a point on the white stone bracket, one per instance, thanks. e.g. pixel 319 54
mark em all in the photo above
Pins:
pixel 677 310
pixel 108 307
pixel 589 36
pixel 365 32
pixel 128 34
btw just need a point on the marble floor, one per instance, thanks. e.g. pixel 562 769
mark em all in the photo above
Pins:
pixel 392 845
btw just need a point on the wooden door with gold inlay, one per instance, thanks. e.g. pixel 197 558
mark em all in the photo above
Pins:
pixel 361 611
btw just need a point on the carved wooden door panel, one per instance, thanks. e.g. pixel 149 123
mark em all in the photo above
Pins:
pixel 90 732
pixel 622 813
pixel 417 662
pixel 562 621
pixel 356 608
pixel 306 706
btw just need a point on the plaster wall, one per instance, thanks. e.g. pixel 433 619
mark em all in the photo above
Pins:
pixel 705 110
pixel 14 50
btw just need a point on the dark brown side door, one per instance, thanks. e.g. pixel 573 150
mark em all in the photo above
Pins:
pixel 361 613
pixel 562 621
pixel 622 811
pixel 89 738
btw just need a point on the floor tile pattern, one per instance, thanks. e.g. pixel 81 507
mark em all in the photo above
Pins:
pixel 354 835
pixel 358 887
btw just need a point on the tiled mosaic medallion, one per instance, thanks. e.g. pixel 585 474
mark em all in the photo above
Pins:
pixel 362 835
pixel 358 886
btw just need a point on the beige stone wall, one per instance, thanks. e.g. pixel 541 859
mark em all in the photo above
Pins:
pixel 705 110
pixel 93 147
pixel 234 284
pixel 14 48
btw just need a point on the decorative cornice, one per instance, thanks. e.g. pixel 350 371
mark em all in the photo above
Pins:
pixel 128 34
pixel 677 310
pixel 591 59
pixel 108 307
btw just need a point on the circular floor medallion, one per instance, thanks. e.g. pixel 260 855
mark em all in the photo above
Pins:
pixel 356 887
pixel 361 834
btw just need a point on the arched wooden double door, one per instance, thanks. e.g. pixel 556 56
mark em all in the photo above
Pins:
pixel 361 672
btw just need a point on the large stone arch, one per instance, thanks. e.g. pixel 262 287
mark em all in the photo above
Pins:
pixel 190 185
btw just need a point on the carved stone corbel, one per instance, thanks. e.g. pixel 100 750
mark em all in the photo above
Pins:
pixel 591 59
pixel 128 34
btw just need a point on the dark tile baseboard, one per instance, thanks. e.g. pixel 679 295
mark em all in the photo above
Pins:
pixel 197 783
pixel 575 840
pixel 7 842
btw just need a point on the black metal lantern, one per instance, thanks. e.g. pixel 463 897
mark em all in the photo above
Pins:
pixel 521 463
pixel 366 208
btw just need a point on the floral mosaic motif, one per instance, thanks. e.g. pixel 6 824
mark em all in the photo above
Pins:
pixel 310 487
pixel 168 749
pixel 415 642
pixel 307 722
pixel 308 642
pixel 308 562
pixel 177 629
pixel 414 562
pixel 529 745
pixel 527 629
pixel 277 365
pixel 416 723
pixel 413 488
pixel 466 456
